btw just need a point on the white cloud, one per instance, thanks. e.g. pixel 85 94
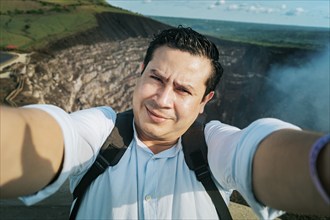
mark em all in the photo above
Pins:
pixel 256 8
pixel 295 12
pixel 252 8
pixel 220 2
pixel 217 3
pixel 270 10
pixel 233 7
pixel 300 10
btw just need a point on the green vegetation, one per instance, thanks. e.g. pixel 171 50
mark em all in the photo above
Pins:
pixel 31 24
pixel 260 34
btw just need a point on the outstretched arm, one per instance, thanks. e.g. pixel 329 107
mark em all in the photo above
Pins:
pixel 31 150
pixel 281 173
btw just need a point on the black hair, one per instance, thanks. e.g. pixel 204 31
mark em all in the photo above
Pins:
pixel 188 40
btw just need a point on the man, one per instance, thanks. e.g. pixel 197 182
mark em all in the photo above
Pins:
pixel 268 162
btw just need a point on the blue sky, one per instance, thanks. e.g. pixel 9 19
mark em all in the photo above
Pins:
pixel 290 12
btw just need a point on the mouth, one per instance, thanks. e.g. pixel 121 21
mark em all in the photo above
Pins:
pixel 157 118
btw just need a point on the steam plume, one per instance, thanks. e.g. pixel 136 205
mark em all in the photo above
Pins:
pixel 301 95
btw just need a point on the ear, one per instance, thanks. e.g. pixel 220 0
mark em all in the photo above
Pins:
pixel 205 100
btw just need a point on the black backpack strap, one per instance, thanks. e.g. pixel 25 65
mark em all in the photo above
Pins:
pixel 110 153
pixel 114 148
pixel 195 153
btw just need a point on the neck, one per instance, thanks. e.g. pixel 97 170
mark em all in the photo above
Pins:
pixel 157 147
pixel 154 143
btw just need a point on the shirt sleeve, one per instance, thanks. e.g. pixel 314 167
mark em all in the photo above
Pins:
pixel 230 155
pixel 83 133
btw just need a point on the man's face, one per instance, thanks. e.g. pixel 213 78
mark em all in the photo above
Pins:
pixel 169 95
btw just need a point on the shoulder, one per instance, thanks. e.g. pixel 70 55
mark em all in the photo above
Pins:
pixel 94 124
pixel 216 130
pixel 261 128
pixel 223 139
pixel 101 113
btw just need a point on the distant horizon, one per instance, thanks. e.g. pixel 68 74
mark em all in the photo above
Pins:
pixel 247 22
pixel 302 13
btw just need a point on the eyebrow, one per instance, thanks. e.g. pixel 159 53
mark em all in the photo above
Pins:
pixel 158 74
pixel 178 84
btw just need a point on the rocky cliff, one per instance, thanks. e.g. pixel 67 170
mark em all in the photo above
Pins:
pixel 111 27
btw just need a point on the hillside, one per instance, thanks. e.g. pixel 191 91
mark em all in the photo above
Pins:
pixel 27 25
pixel 111 27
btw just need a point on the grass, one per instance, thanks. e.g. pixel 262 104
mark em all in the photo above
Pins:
pixel 11 5
pixel 31 24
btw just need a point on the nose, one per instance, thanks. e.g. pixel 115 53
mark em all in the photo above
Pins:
pixel 165 97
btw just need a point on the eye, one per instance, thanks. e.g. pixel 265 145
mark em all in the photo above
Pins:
pixel 184 90
pixel 156 78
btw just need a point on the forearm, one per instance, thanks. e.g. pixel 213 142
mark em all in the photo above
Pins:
pixel 31 150
pixel 281 175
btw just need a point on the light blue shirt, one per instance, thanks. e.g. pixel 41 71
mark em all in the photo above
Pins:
pixel 144 185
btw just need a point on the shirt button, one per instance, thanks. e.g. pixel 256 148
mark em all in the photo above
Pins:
pixel 147 198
